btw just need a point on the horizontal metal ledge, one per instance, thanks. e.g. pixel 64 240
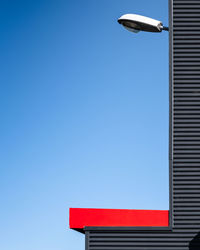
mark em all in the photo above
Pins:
pixel 178 120
pixel 186 59
pixel 187 46
pixel 183 14
pixel 186 55
pixel 179 3
pixel 187 7
pixel 189 88
pixel 189 65
pixel 186 107
pixel 133 229
pixel 186 160
pixel 186 11
pixel 188 52
pixel 182 172
pixel 187 151
pixel 179 24
pixel 187 93
pixel 181 35
pixel 192 42
pixel 139 235
pixel 124 245
pixel 138 239
pixel 187 192
pixel 186 201
pixel 187 116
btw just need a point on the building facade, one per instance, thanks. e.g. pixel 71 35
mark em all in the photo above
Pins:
pixel 183 229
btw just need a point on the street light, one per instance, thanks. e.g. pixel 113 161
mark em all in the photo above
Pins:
pixel 136 23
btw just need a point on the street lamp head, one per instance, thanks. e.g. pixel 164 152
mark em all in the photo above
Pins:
pixel 136 23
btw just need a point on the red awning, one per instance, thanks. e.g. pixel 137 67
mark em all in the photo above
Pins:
pixel 87 217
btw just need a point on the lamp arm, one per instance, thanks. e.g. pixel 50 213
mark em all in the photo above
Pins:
pixel 165 28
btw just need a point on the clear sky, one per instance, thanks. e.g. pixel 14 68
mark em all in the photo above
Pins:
pixel 84 116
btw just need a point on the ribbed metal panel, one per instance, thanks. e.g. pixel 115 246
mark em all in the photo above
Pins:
pixel 184 146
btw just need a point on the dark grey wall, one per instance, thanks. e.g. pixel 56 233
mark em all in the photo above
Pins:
pixel 184 146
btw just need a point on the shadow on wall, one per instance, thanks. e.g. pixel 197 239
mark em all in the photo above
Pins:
pixel 195 243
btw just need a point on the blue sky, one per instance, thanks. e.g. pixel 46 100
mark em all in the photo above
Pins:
pixel 84 116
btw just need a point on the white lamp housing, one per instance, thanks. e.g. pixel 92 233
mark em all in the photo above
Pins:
pixel 136 23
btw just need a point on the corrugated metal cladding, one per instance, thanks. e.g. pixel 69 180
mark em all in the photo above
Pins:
pixel 185 150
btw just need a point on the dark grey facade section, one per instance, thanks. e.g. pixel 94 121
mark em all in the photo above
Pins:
pixel 184 155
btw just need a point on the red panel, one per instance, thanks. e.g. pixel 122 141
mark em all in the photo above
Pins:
pixel 82 217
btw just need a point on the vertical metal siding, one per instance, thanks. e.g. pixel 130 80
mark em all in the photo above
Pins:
pixel 186 124
pixel 184 146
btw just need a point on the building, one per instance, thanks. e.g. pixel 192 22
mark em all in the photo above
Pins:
pixel 178 228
